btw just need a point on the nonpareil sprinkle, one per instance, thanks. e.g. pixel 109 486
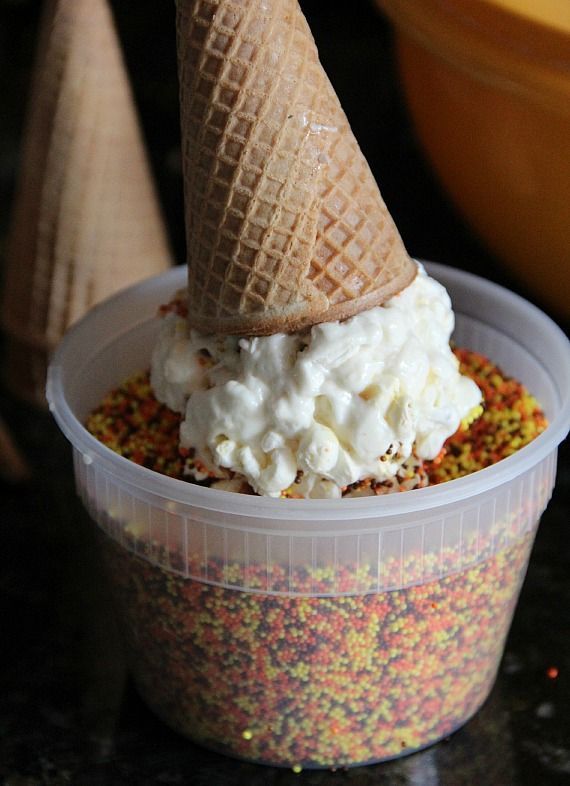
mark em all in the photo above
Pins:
pixel 134 424
pixel 313 678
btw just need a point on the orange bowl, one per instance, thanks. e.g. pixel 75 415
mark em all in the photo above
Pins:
pixel 487 84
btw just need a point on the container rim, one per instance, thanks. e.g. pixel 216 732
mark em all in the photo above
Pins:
pixel 509 50
pixel 234 504
pixel 549 13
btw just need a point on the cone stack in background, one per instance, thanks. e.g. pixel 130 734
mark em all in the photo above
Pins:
pixel 86 220
pixel 285 224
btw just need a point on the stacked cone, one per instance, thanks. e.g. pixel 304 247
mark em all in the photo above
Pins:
pixel 86 220
pixel 285 224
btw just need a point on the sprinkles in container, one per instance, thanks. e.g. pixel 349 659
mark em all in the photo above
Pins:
pixel 320 633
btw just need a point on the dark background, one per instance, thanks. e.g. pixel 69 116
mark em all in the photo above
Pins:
pixel 63 716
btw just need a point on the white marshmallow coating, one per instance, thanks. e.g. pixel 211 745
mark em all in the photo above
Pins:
pixel 346 401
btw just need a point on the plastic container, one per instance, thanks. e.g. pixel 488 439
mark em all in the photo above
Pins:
pixel 487 83
pixel 309 633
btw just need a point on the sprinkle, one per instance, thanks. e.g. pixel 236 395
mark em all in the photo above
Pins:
pixel 510 419
pixel 471 417
pixel 134 424
pixel 334 678
pixel 338 680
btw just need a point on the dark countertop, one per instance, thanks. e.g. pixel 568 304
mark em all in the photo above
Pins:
pixel 68 714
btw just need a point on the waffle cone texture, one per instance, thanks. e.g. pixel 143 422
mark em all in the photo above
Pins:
pixel 86 220
pixel 285 224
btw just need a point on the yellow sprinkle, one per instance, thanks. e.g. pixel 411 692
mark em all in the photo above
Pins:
pixel 247 734
pixel 297 769
pixel 475 413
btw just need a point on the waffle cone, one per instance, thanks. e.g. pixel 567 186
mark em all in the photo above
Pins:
pixel 285 224
pixel 86 220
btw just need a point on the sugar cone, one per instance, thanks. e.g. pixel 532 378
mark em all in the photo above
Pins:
pixel 285 224
pixel 86 220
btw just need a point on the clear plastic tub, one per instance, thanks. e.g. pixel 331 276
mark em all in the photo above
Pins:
pixel 303 632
